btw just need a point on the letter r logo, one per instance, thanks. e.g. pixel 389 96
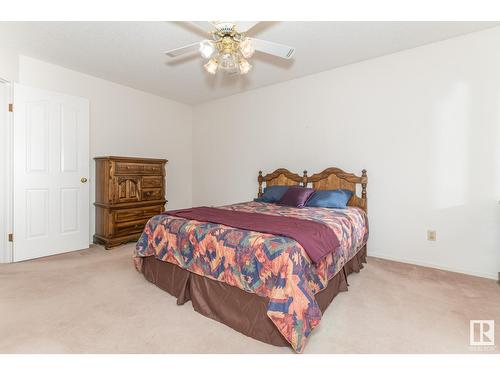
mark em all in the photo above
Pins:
pixel 482 333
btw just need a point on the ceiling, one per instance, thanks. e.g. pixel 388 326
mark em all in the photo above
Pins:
pixel 131 53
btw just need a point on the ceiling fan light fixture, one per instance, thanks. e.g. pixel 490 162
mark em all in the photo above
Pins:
pixel 244 66
pixel 246 48
pixel 207 49
pixel 228 48
pixel 211 66
pixel 227 61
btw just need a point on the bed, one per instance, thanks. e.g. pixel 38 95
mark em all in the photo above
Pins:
pixel 261 284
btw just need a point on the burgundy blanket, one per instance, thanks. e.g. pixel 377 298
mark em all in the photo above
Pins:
pixel 317 239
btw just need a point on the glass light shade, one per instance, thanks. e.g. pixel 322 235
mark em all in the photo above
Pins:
pixel 227 61
pixel 244 66
pixel 246 48
pixel 211 66
pixel 206 49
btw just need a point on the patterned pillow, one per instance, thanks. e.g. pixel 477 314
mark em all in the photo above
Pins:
pixel 296 196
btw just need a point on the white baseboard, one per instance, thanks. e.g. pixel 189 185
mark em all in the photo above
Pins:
pixel 432 265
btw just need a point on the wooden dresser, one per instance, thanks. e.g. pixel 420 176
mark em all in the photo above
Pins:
pixel 129 191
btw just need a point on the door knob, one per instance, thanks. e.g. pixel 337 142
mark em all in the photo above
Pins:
pixel 83 180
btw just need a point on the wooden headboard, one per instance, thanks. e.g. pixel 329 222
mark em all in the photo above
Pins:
pixel 282 177
pixel 335 178
pixel 329 179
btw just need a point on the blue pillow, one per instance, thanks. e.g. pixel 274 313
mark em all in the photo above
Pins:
pixel 330 198
pixel 273 194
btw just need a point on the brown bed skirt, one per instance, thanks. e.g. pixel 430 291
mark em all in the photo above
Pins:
pixel 243 311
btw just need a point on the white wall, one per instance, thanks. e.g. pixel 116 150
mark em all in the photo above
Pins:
pixel 125 122
pixel 425 123
pixel 9 64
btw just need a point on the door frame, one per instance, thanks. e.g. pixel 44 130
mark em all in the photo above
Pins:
pixel 6 190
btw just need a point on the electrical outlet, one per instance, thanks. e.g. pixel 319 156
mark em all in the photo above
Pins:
pixel 431 235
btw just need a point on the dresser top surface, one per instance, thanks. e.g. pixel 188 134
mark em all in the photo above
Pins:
pixel 131 159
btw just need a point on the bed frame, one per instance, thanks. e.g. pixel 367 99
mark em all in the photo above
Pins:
pixel 226 303
pixel 329 179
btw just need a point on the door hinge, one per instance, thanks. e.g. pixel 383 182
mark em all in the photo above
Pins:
pixel 11 237
pixel 11 107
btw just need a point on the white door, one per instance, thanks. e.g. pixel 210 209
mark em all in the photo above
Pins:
pixel 51 168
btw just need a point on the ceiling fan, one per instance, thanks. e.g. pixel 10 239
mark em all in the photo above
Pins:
pixel 229 47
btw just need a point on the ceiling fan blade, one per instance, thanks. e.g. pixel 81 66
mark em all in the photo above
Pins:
pixel 204 25
pixel 274 49
pixel 244 26
pixel 182 50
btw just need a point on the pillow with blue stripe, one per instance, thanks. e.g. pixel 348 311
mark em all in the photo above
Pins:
pixel 330 198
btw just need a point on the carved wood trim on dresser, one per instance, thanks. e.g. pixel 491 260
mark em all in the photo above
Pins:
pixel 129 191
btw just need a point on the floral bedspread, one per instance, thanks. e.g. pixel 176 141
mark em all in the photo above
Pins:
pixel 268 265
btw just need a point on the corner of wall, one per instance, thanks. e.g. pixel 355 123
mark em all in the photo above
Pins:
pixel 9 65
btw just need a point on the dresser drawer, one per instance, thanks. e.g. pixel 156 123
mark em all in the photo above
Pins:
pixel 129 227
pixel 137 168
pixel 131 214
pixel 152 194
pixel 152 181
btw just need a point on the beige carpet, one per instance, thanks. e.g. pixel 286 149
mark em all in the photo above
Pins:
pixel 93 301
